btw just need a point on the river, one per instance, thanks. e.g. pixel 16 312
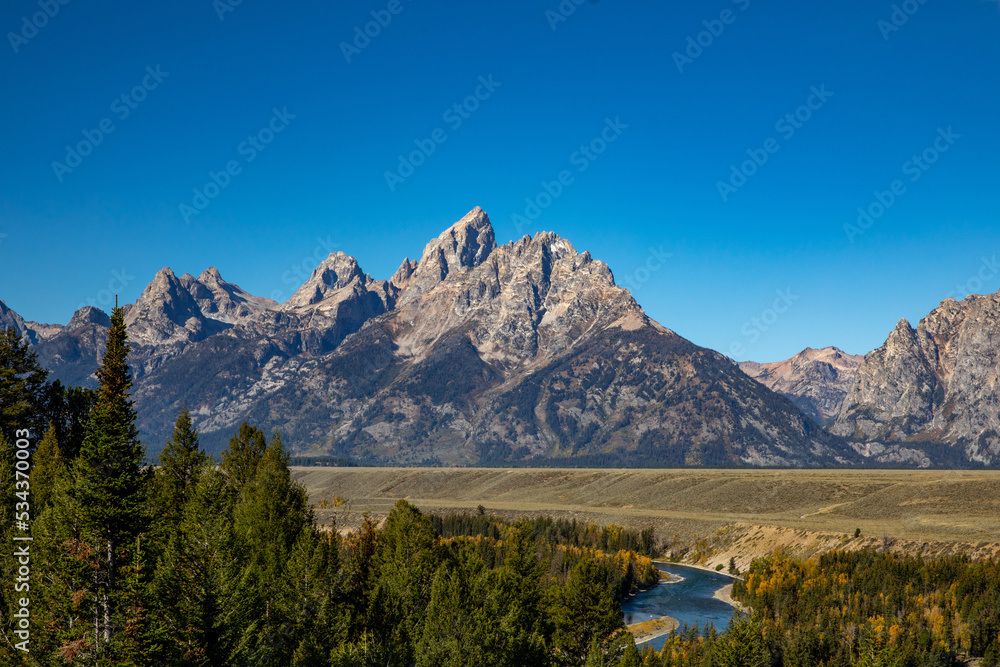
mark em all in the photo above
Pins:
pixel 690 601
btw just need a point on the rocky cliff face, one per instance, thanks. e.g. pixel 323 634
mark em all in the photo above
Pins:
pixel 475 353
pixel 815 380
pixel 933 385
pixel 9 319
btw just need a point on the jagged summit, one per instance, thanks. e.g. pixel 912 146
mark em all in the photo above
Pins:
pixel 463 246
pixel 210 275
pixel 937 383
pixel 816 380
pixel 337 271
pixel 88 315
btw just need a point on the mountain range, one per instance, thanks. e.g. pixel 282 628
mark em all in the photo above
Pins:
pixel 526 353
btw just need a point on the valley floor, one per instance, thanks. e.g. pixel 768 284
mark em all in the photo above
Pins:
pixel 706 516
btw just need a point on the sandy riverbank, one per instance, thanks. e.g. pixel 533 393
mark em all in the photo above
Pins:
pixel 726 595
pixel 653 628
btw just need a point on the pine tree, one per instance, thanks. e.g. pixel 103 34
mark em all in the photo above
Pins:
pixel 22 386
pixel 181 464
pixel 189 578
pixel 742 645
pixel 240 461
pixel 110 483
pixel 48 466
pixel 406 560
pixel 64 560
pixel 269 518
pixel 585 611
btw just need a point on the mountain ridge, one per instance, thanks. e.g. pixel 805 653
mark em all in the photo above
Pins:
pixel 476 353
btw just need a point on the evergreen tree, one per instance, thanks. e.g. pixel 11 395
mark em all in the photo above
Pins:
pixel 181 464
pixel 260 604
pixel 240 461
pixel 584 612
pixel 406 560
pixel 742 645
pixel 110 483
pixel 23 386
pixel 187 586
pixel 48 466
pixel 65 561
pixel 595 656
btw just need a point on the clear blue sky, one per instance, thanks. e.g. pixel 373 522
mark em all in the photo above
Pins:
pixel 321 184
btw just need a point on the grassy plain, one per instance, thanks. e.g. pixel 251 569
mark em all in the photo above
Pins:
pixel 738 511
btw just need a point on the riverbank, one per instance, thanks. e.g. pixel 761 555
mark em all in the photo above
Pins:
pixel 699 567
pixel 653 628
pixel 725 594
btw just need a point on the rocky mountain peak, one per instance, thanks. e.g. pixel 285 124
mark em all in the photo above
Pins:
pixel 337 271
pixel 937 383
pixel 10 319
pixel 165 312
pixel 466 244
pixel 815 380
pixel 88 315
pixel 403 273
pixel 210 275
pixel 903 328
pixel 462 247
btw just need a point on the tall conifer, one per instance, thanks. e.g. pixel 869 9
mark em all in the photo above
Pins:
pixel 110 483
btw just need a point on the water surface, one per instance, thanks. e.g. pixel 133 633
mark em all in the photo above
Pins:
pixel 690 601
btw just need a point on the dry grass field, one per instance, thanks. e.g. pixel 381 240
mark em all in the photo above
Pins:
pixel 736 510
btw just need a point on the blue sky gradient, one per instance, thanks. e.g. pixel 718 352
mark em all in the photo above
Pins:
pixel 757 268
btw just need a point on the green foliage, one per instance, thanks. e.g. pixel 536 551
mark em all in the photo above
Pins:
pixel 584 613
pixel 23 387
pixel 742 645
pixel 246 449
pixel 182 462
pixel 111 487
pixel 47 467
